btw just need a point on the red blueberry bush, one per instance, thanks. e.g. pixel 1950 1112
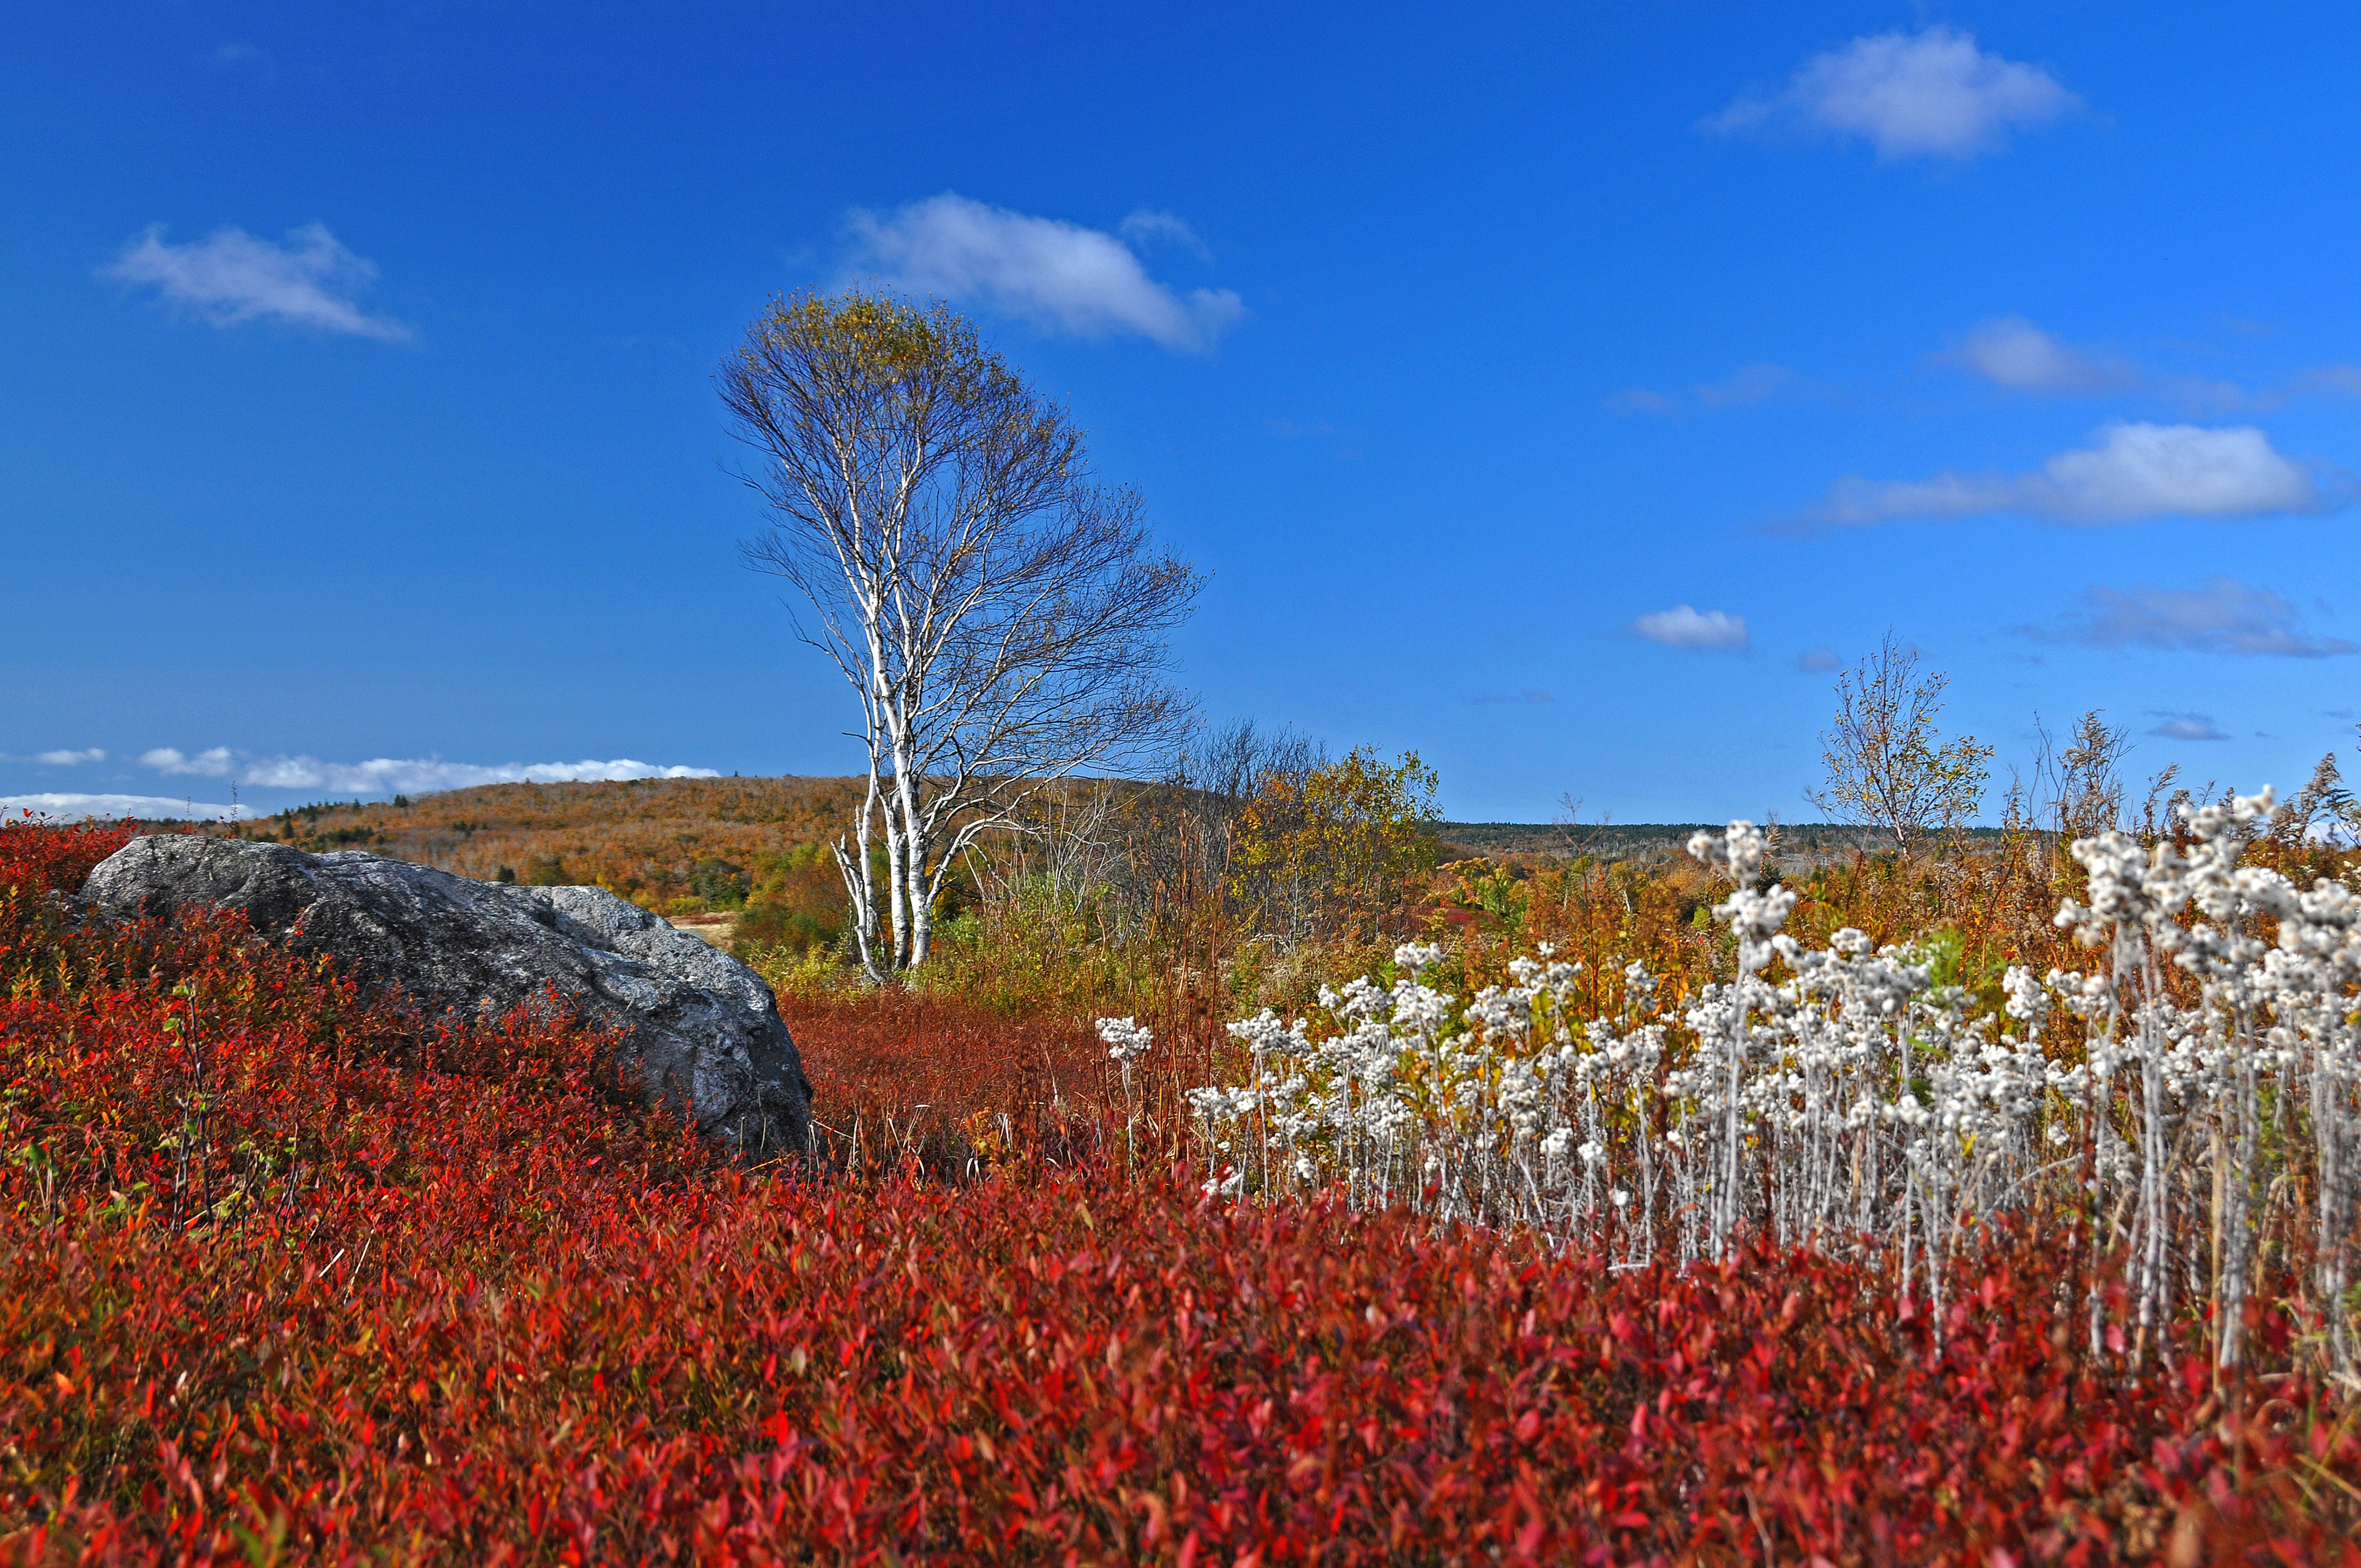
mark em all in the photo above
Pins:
pixel 288 1278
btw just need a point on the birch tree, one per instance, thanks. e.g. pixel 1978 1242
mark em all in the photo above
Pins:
pixel 1001 617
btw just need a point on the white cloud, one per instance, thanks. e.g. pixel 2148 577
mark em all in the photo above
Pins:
pixel 404 775
pixel 74 807
pixel 1681 627
pixel 1059 276
pixel 2221 615
pixel 2186 726
pixel 67 759
pixel 1817 660
pixel 213 764
pixel 1927 95
pixel 2017 354
pixel 386 774
pixel 2148 470
pixel 2011 352
pixel 231 276
pixel 2132 470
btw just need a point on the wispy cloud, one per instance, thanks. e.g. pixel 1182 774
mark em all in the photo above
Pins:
pixel 69 758
pixel 1289 430
pixel 2014 353
pixel 1682 627
pixel 2185 726
pixel 1747 385
pixel 1932 93
pixel 2221 615
pixel 1059 276
pixel 1340 442
pixel 1144 228
pixel 230 276
pixel 2130 471
pixel 2339 380
pixel 385 775
pixel 1817 660
pixel 1743 388
pixel 1642 401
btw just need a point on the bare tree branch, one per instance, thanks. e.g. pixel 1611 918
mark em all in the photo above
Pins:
pixel 1887 765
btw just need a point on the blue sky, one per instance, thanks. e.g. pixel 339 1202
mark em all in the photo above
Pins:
pixel 1557 392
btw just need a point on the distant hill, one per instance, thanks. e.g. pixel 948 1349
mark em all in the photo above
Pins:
pixel 1556 838
pixel 672 845
pixel 1804 841
pixel 679 846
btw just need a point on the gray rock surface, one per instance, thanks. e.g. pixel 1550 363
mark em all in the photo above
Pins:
pixel 702 1025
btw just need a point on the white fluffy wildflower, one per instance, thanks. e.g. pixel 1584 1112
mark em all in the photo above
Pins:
pixel 1418 956
pixel 1868 1091
pixel 1127 1039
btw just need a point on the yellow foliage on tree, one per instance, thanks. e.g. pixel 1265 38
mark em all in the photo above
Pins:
pixel 1330 851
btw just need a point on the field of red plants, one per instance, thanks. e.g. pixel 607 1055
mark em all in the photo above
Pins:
pixel 289 1279
pixel 951 1087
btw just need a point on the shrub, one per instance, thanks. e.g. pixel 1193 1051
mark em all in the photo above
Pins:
pixel 288 1280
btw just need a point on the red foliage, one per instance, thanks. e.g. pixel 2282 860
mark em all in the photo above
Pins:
pixel 285 1283
pixel 909 1076
pixel 953 1087
pixel 38 859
